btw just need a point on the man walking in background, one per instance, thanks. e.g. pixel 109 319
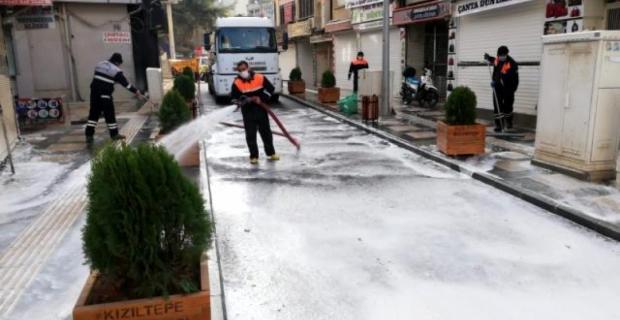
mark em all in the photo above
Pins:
pixel 357 64
pixel 107 73
pixel 505 81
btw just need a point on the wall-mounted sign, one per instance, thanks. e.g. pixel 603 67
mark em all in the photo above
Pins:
pixel 369 26
pixel 335 26
pixel 474 6
pixel 36 18
pixel 349 4
pixel 422 13
pixel 117 37
pixel 39 109
pixel 25 2
pixel 300 29
pixel 367 14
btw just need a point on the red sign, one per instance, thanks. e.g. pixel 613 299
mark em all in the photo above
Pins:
pixel 25 2
pixel 116 37
pixel 421 13
pixel 288 13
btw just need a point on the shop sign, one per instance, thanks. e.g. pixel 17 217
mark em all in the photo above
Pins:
pixel 422 13
pixel 321 38
pixel 300 29
pixel 116 37
pixel 474 6
pixel 36 18
pixel 367 14
pixel 369 26
pixel 335 26
pixel 350 4
pixel 25 2
pixel 39 109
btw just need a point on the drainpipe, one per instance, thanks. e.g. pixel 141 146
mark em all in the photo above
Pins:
pixel 67 34
pixel 173 53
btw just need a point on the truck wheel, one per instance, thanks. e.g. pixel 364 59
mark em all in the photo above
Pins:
pixel 222 99
pixel 275 98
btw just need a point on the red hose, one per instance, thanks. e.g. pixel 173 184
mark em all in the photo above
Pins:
pixel 275 118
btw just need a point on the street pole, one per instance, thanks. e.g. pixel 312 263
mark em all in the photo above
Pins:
pixel 385 106
pixel 173 53
pixel 6 141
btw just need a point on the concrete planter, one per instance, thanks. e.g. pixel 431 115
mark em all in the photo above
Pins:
pixel 195 306
pixel 460 139
pixel 329 95
pixel 297 87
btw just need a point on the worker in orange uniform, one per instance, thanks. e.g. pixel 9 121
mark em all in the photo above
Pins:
pixel 249 90
pixel 357 64
pixel 505 83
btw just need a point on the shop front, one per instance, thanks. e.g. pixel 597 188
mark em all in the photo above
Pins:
pixel 323 51
pixel 480 27
pixel 367 22
pixel 426 33
pixel 344 42
pixel 299 33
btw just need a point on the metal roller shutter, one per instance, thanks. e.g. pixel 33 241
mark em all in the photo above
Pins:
pixel 372 44
pixel 519 27
pixel 345 48
pixel 288 61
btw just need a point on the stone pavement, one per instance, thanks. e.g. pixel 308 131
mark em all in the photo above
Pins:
pixel 33 234
pixel 506 165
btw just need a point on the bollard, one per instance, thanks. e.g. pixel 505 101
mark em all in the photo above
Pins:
pixel 365 107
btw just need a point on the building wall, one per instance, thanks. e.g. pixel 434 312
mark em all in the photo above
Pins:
pixel 88 23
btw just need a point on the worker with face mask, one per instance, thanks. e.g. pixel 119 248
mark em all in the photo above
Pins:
pixel 505 83
pixel 248 91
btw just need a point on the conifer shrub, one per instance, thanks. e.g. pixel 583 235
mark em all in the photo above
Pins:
pixel 328 80
pixel 188 72
pixel 461 107
pixel 173 111
pixel 295 74
pixel 146 225
pixel 185 86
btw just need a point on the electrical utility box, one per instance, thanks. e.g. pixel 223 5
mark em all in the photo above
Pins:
pixel 579 104
pixel 156 85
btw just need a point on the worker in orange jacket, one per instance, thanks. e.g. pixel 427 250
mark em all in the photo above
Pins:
pixel 357 64
pixel 248 90
pixel 505 83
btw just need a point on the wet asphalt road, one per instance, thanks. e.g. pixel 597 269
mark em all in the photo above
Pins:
pixel 351 227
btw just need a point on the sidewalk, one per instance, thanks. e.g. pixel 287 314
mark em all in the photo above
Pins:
pixel 41 215
pixel 506 165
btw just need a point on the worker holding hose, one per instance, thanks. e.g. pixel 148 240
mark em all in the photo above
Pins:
pixel 249 91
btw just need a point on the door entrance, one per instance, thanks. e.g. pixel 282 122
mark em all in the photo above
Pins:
pixel 436 53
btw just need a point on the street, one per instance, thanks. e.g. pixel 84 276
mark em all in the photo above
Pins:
pixel 351 227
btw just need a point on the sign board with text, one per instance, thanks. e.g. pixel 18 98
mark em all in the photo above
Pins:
pixel 117 37
pixel 422 13
pixel 367 14
pixel 466 7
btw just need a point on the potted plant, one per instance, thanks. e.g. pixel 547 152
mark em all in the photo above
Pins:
pixel 295 83
pixel 459 134
pixel 328 93
pixel 173 112
pixel 145 236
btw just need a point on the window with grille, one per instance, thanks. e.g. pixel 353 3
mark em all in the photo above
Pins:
pixel 306 8
pixel 613 19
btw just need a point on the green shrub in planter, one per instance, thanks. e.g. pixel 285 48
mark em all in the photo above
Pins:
pixel 185 86
pixel 328 80
pixel 187 71
pixel 173 111
pixel 461 107
pixel 146 225
pixel 295 74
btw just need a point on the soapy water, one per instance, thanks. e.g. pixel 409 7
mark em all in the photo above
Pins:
pixel 179 141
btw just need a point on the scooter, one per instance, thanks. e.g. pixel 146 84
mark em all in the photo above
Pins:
pixel 423 90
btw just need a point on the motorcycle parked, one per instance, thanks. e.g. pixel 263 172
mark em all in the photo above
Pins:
pixel 423 91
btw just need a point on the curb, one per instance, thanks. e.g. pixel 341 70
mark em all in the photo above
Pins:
pixel 543 202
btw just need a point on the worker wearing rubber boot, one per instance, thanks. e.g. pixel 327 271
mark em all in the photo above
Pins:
pixel 505 83
pixel 356 65
pixel 248 91
pixel 107 73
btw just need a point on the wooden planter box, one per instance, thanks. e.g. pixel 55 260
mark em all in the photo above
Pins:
pixel 296 87
pixel 329 95
pixel 195 306
pixel 460 140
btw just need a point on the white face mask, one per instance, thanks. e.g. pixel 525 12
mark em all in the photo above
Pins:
pixel 502 58
pixel 245 74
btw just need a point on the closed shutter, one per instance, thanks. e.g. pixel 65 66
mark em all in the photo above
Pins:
pixel 519 27
pixel 345 48
pixel 288 61
pixel 305 60
pixel 372 45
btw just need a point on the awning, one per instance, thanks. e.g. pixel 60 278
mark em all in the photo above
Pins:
pixel 29 3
